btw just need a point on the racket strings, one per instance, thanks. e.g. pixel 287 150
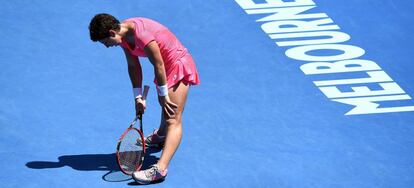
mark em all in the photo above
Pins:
pixel 131 151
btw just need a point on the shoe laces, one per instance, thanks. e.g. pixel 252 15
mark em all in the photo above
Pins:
pixel 151 172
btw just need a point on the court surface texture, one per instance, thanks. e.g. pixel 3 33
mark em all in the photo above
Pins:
pixel 293 94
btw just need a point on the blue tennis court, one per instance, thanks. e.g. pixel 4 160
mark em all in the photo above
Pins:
pixel 293 94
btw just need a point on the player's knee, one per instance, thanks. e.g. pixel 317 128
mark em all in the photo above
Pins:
pixel 173 122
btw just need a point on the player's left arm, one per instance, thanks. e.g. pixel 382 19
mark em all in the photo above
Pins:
pixel 153 52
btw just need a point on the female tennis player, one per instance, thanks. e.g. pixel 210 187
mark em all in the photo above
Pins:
pixel 174 71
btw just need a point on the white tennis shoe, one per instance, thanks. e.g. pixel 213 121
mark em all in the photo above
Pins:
pixel 155 140
pixel 153 174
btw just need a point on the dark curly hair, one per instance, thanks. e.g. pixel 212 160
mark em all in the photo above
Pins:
pixel 100 26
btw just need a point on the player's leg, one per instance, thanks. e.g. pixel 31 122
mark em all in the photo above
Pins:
pixel 173 131
pixel 173 127
pixel 157 138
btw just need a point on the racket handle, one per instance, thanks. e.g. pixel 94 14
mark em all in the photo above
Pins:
pixel 145 93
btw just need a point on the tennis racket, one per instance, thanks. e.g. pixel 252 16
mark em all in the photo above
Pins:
pixel 130 150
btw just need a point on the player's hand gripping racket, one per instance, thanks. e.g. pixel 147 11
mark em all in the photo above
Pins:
pixel 130 150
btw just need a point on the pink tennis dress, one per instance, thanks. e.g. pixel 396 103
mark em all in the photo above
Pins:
pixel 178 63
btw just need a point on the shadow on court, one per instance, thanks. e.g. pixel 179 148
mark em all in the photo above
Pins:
pixel 92 162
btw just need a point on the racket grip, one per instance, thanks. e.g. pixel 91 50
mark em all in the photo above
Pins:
pixel 145 93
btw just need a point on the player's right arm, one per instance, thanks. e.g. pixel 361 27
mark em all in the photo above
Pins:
pixel 135 75
pixel 134 69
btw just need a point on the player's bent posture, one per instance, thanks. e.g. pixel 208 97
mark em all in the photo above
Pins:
pixel 174 70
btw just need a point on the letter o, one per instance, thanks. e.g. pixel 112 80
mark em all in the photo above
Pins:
pixel 348 52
